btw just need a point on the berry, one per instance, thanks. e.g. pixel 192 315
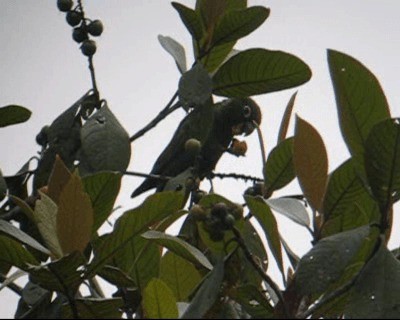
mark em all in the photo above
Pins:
pixel 198 212
pixel 219 210
pixel 79 35
pixel 64 5
pixel 88 47
pixel 192 146
pixel 229 221
pixel 73 18
pixel 95 28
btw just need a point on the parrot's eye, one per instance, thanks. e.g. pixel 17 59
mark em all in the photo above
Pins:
pixel 246 112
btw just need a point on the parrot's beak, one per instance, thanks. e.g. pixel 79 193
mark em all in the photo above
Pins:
pixel 248 128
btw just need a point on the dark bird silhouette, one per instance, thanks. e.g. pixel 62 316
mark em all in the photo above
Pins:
pixel 214 126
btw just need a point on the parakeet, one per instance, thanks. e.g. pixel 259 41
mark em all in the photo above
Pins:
pixel 214 126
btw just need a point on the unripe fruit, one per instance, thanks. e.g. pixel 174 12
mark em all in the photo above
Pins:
pixel 73 18
pixel 237 211
pixel 192 146
pixel 198 212
pixel 88 47
pixel 79 35
pixel 219 210
pixel 229 221
pixel 95 28
pixel 64 5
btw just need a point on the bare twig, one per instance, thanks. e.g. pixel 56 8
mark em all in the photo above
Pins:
pixel 146 175
pixel 12 286
pixel 262 148
pixel 235 176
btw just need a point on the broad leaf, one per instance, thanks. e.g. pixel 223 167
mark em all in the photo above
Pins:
pixel 178 246
pixel 45 216
pixel 286 118
pixel 191 20
pixel 59 177
pixel 261 211
pixel 382 161
pixel 310 162
pixel 258 71
pixel 95 308
pixel 103 189
pixel 176 50
pixel 116 276
pixel 254 302
pixel 279 168
pixel 134 222
pixel 195 87
pixel 13 114
pixel 179 274
pixel 290 208
pixel 361 102
pixel 159 301
pixel 13 253
pixel 105 144
pixel 74 217
pixel 326 262
pixel 375 294
pixel 207 294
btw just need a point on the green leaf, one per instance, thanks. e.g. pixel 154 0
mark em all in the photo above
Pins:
pixel 134 222
pixel 13 253
pixel 310 163
pixel 159 301
pixel 191 20
pixel 195 87
pixel 60 275
pixel 13 114
pixel 103 189
pixel 254 302
pixel 176 50
pixel 45 216
pixel 259 71
pixel 261 211
pixel 290 208
pixel 105 144
pixel 179 274
pixel 236 24
pixel 3 187
pixel 361 102
pixel 207 294
pixel 178 246
pixel 59 177
pixel 22 237
pixel 74 217
pixel 347 203
pixel 214 57
pixel 286 118
pixel 382 161
pixel 375 294
pixel 95 308
pixel 279 168
pixel 326 262
pixel 116 276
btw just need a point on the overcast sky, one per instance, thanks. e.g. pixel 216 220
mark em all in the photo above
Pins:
pixel 42 69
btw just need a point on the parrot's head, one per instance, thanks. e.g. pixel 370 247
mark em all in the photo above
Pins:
pixel 241 114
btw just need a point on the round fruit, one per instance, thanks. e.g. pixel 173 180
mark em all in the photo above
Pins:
pixel 219 210
pixel 79 35
pixel 192 146
pixel 73 18
pixel 237 211
pixel 198 212
pixel 88 47
pixel 64 5
pixel 229 221
pixel 95 28
pixel 42 137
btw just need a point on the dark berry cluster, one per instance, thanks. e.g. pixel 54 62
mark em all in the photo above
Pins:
pixel 83 27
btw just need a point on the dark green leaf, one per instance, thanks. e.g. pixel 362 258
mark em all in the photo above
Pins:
pixel 279 168
pixel 191 19
pixel 290 208
pixel 179 274
pixel 103 189
pixel 105 144
pixel 375 294
pixel 236 24
pixel 286 118
pixel 159 301
pixel 258 71
pixel 22 237
pixel 254 302
pixel 176 50
pixel 178 246
pixel 95 308
pixel 13 253
pixel 326 262
pixel 13 114
pixel 382 161
pixel 214 57
pixel 310 162
pixel 207 294
pixel 134 222
pixel 195 87
pixel 360 101
pixel 116 277
pixel 261 211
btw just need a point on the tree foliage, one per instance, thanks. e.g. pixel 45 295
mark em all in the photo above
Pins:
pixel 217 264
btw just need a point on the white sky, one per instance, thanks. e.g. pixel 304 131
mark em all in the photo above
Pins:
pixel 42 69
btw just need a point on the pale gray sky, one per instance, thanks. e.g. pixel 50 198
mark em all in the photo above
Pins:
pixel 42 69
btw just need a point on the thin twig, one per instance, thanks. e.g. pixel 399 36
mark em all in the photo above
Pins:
pixel 12 286
pixel 169 108
pixel 146 175
pixel 260 271
pixel 235 176
pixel 262 148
